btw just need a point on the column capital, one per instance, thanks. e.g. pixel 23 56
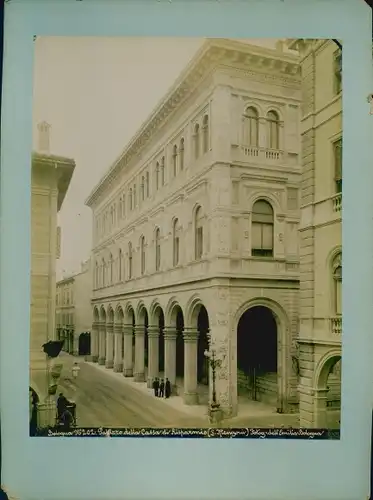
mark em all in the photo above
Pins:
pixel 109 327
pixel 118 328
pixel 153 331
pixel 128 329
pixel 95 324
pixel 170 333
pixel 139 329
pixel 190 334
pixel 102 325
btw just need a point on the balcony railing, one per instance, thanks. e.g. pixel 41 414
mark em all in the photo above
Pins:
pixel 262 154
pixel 337 202
pixel 336 326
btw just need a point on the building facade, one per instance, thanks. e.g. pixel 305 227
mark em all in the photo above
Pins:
pixel 50 179
pixel 320 233
pixel 195 233
pixel 73 308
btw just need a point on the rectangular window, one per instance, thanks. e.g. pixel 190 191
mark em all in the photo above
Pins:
pixel 338 165
pixel 292 198
pixel 262 240
pixel 337 71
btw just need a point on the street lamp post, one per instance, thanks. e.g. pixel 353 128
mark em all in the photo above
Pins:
pixel 214 406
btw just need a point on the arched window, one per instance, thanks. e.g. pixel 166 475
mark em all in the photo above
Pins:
pixel 157 249
pixel 147 184
pixel 142 188
pixel 181 159
pixel 130 256
pixel 162 171
pixel 198 236
pixel 142 253
pixel 120 277
pixel 337 282
pixel 176 242
pixel 96 276
pixel 262 229
pixel 251 129
pixel 103 271
pixel 273 130
pixel 130 200
pixel 174 160
pixel 205 138
pixel 157 175
pixel 196 141
pixel 120 208
pixel 110 270
pixel 124 206
pixel 134 196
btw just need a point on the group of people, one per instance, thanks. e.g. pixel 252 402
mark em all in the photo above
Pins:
pixel 162 389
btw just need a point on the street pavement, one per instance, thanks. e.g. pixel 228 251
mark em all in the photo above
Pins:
pixel 104 401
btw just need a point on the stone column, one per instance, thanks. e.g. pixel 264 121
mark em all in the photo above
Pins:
pixel 128 358
pixel 118 340
pixel 190 366
pixel 320 408
pixel 170 355
pixel 102 342
pixel 139 374
pixel 153 354
pixel 109 346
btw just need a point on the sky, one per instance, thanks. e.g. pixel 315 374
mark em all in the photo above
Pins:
pixel 96 93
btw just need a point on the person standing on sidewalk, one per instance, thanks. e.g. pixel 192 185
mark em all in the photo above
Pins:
pixel 167 389
pixel 161 389
pixel 156 387
pixel 75 370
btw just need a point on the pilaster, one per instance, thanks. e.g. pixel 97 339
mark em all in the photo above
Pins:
pixel 102 343
pixel 153 354
pixel 128 351
pixel 190 366
pixel 139 374
pixel 170 335
pixel 109 362
pixel 118 340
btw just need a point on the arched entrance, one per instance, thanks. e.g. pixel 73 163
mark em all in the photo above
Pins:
pixel 179 342
pixel 257 351
pixel 203 345
pixel 327 398
pixel 84 344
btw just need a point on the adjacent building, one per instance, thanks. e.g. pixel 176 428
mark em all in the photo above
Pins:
pixel 320 232
pixel 73 308
pixel 50 179
pixel 195 233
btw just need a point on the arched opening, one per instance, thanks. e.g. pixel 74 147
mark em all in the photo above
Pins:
pixel 131 315
pixel 179 317
pixel 328 412
pixel 196 141
pixel 203 345
pixel 84 348
pixel 198 233
pixel 174 160
pixel 273 130
pixel 205 128
pixel 182 153
pixel 257 350
pixel 160 315
pixel 144 321
pixel 262 229
pixel 251 129
pixel 157 249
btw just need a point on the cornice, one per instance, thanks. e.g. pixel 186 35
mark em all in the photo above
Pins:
pixel 212 54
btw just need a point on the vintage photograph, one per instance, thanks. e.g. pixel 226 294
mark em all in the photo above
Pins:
pixel 186 248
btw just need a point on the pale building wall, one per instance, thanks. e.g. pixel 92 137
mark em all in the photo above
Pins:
pixel 225 181
pixel 320 234
pixel 50 179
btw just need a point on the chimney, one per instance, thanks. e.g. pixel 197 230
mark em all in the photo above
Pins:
pixel 43 129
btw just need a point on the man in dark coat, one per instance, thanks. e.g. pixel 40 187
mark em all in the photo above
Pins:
pixel 167 388
pixel 156 386
pixel 61 405
pixel 161 389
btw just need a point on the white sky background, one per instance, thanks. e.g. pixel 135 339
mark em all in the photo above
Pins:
pixel 96 93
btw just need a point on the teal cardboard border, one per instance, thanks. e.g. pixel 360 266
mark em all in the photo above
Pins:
pixel 130 468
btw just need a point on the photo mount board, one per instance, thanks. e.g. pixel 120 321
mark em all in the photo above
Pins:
pixel 125 468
